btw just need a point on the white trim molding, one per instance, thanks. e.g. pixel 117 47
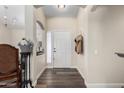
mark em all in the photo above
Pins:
pixel 105 85
pixel 35 82
pixel 100 85
pixel 82 75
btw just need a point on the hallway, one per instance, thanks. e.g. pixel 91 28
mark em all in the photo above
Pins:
pixel 81 42
pixel 60 78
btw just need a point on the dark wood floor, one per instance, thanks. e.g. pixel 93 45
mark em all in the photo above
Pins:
pixel 60 78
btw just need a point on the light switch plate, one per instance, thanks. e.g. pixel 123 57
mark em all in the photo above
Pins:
pixel 96 52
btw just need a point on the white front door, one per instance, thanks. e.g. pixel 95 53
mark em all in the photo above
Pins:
pixel 61 49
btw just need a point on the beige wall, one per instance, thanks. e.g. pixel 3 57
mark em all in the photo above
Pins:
pixel 67 23
pixel 5 35
pixel 16 36
pixel 40 61
pixel 64 24
pixel 102 30
pixel 82 59
pixel 105 37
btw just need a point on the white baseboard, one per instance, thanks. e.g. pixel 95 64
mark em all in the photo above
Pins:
pixel 100 85
pixel 80 72
pixel 83 76
pixel 35 82
pixel 65 67
pixel 49 67
pixel 73 67
pixel 105 85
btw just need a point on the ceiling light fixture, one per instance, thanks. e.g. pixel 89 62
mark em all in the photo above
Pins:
pixel 61 6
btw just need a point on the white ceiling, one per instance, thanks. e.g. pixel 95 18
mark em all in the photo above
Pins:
pixel 13 11
pixel 54 11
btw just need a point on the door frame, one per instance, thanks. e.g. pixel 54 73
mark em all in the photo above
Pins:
pixel 52 55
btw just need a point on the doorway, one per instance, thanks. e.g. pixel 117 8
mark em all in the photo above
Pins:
pixel 59 49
